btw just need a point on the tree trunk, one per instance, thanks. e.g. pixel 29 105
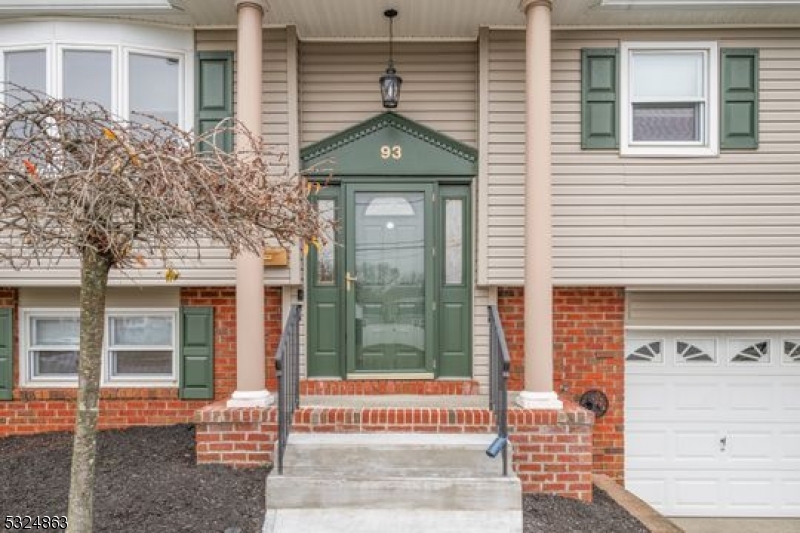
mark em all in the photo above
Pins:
pixel 94 280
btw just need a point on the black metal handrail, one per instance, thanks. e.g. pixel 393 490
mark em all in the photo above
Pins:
pixel 499 367
pixel 287 368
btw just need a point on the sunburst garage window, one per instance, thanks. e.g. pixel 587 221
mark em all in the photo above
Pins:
pixel 644 350
pixel 791 350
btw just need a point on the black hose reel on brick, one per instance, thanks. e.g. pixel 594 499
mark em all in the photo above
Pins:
pixel 595 401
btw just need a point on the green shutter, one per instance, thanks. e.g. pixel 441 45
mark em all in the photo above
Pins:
pixel 6 353
pixel 214 95
pixel 739 98
pixel 599 108
pixel 197 353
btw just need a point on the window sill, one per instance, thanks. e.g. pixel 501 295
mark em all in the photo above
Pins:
pixel 668 151
pixel 165 384
pixel 172 384
pixel 49 385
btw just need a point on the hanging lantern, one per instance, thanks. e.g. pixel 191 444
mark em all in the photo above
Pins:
pixel 390 82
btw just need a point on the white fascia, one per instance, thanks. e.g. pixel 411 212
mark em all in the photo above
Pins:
pixel 697 3
pixel 89 6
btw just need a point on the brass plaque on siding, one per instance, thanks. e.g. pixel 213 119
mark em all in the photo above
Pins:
pixel 276 257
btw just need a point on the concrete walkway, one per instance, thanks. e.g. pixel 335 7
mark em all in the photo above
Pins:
pixel 738 525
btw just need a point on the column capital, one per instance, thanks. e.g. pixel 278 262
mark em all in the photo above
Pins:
pixel 524 5
pixel 259 4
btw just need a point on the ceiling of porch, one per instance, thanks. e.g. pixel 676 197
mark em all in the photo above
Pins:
pixel 425 19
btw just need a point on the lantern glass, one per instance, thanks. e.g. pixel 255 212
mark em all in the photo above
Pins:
pixel 390 88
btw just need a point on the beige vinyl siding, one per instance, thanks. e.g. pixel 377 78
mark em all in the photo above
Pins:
pixel 732 219
pixel 117 297
pixel 339 86
pixel 481 298
pixel 215 266
pixel 676 309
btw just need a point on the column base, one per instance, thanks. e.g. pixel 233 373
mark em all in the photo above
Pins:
pixel 251 398
pixel 539 400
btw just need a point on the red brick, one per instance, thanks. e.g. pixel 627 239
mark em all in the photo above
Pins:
pixel 588 342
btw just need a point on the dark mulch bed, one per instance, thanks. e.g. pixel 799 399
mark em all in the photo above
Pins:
pixel 563 515
pixel 147 480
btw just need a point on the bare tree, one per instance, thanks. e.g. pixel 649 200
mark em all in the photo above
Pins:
pixel 76 181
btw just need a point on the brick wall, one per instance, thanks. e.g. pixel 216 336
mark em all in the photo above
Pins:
pixel 512 308
pixel 325 387
pixel 36 410
pixel 552 450
pixel 588 353
pixel 589 345
pixel 235 437
pixel 273 327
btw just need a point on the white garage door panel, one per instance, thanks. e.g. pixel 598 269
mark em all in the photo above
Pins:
pixel 790 494
pixel 719 493
pixel 713 423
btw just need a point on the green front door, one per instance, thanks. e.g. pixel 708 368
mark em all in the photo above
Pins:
pixel 389 284
pixel 390 291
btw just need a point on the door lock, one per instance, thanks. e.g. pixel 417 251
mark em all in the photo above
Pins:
pixel 349 279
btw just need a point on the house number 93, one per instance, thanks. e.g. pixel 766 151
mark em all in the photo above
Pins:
pixel 391 152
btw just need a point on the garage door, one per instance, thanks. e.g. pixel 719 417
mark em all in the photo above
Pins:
pixel 713 421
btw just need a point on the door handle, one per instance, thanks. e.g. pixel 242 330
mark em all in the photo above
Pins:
pixel 723 443
pixel 349 279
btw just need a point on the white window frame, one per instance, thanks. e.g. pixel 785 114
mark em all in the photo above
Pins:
pixel 144 380
pixel 58 72
pixel 28 380
pixel 709 144
pixel 26 377
pixel 30 47
pixel 155 52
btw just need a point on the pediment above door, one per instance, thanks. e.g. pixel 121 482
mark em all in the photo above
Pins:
pixel 389 145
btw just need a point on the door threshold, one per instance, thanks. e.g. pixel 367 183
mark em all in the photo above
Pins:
pixel 384 375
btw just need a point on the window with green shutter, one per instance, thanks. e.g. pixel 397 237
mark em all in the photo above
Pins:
pixel 739 116
pixel 197 353
pixel 659 126
pixel 214 97
pixel 6 353
pixel 599 96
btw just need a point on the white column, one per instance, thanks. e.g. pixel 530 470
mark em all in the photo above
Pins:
pixel 538 393
pixel 250 342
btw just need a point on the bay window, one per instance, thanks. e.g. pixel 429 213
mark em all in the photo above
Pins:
pixel 134 72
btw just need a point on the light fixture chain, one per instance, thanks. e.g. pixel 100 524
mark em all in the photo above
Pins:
pixel 391 40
